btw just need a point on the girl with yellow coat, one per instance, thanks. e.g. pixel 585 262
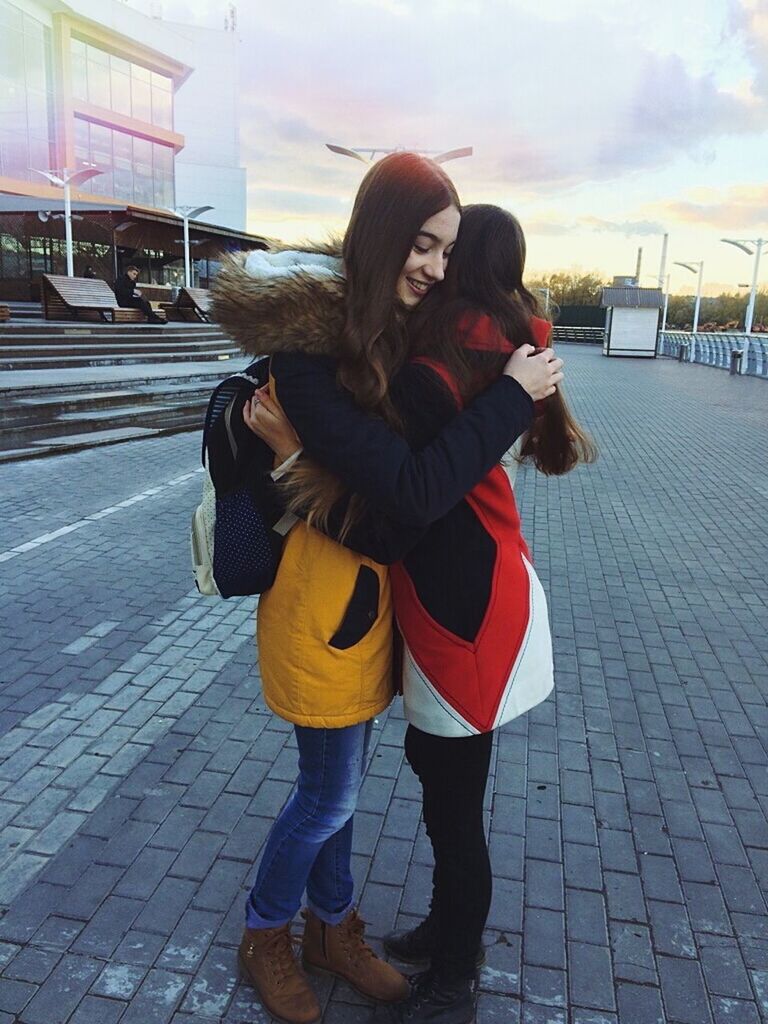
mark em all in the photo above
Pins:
pixel 336 335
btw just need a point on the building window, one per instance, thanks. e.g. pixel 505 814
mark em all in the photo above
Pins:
pixel 135 169
pixel 127 88
pixel 26 102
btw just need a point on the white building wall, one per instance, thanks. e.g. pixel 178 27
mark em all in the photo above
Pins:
pixel 206 106
pixel 207 112
pixel 632 332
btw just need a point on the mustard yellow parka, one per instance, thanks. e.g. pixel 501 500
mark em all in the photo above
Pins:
pixel 315 669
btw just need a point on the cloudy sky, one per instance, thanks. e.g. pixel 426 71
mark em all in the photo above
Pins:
pixel 600 124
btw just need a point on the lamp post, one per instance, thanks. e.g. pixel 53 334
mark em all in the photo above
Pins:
pixel 356 153
pixel 188 213
pixel 666 304
pixel 65 179
pixel 695 266
pixel 744 244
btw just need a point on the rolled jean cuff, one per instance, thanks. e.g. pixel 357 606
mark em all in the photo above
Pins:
pixel 332 919
pixel 255 920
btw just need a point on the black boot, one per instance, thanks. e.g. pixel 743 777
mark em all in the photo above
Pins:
pixel 414 946
pixel 436 999
pixel 417 946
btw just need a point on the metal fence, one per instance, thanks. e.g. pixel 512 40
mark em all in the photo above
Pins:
pixel 585 335
pixel 716 349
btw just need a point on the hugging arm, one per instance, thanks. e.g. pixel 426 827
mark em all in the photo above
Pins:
pixel 414 488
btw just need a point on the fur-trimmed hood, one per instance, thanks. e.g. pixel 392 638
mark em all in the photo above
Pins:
pixel 280 301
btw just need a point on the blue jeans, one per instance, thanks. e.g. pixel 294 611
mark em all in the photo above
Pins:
pixel 310 844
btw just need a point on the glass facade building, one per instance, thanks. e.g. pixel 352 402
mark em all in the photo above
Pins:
pixel 74 94
pixel 134 169
pixel 120 85
pixel 27 136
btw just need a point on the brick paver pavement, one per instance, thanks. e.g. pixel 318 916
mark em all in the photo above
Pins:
pixel 139 769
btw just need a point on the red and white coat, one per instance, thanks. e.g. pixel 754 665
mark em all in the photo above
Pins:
pixel 470 607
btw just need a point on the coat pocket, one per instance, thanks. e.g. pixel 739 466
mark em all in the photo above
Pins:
pixel 362 610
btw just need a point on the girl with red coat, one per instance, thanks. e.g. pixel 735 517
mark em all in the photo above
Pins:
pixel 471 610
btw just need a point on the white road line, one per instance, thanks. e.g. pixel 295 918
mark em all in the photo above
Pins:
pixel 46 538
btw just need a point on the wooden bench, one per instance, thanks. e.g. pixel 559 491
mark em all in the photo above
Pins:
pixel 191 305
pixel 83 298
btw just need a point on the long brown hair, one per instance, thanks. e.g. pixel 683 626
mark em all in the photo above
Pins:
pixel 395 198
pixel 485 273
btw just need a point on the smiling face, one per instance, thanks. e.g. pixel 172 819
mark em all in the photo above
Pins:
pixel 428 257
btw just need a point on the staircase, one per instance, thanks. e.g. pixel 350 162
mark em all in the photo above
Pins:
pixel 68 386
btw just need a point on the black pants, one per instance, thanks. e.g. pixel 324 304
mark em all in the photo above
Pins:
pixel 138 303
pixel 453 775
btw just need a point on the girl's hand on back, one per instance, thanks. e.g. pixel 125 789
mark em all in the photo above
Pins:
pixel 267 420
pixel 539 374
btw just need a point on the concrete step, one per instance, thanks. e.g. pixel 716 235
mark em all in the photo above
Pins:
pixel 96 347
pixel 33 331
pixel 18 413
pixel 186 412
pixel 78 442
pixel 52 362
pixel 24 310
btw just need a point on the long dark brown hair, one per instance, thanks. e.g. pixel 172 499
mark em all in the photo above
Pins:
pixel 395 198
pixel 485 274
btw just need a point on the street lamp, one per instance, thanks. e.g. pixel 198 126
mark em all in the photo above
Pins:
pixel 744 244
pixel 65 179
pixel 188 213
pixel 356 153
pixel 666 304
pixel 695 266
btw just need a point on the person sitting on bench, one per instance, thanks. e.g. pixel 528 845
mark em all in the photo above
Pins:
pixel 128 298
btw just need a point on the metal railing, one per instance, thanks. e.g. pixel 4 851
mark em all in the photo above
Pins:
pixel 720 349
pixel 585 335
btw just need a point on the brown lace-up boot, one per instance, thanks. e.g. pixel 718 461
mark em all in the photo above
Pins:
pixel 269 963
pixel 341 949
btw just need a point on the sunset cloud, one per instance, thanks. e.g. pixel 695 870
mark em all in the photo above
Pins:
pixel 590 121
pixel 735 208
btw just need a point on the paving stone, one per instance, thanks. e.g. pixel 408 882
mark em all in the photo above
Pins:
pixel 586 917
pixel 156 999
pixel 682 988
pixel 57 998
pixel 33 965
pixel 724 971
pixel 190 939
pixel 213 985
pixel 544 938
pixel 545 986
pixel 57 933
pixel 162 913
pixel 139 948
pixel 501 972
pixel 84 900
pixel 145 874
pixel 25 916
pixel 544 885
pixel 582 867
pixel 590 976
pixel 93 1010
pixel 632 950
pixel 728 1010
pixel 625 897
pixel 14 995
pixel 639 1004
pixel 105 930
pixel 707 909
pixel 118 981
